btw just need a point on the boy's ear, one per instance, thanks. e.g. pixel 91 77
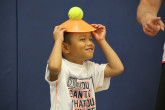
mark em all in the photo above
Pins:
pixel 65 48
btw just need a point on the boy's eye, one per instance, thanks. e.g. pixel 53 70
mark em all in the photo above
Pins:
pixel 82 39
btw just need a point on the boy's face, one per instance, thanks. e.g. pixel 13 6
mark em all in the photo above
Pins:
pixel 82 46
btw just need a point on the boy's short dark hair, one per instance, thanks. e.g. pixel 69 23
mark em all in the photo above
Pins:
pixel 67 37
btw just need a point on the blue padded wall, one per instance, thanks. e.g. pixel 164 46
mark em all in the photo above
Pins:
pixel 8 55
pixel 33 33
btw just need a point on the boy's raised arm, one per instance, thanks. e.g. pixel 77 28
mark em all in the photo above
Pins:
pixel 115 66
pixel 55 59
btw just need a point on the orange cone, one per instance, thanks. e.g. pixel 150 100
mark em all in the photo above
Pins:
pixel 77 26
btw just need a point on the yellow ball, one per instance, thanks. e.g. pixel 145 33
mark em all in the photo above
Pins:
pixel 75 13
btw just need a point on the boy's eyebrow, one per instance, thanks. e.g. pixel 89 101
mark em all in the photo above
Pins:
pixel 84 35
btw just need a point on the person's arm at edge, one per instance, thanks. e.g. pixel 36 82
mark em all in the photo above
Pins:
pixel 147 8
pixel 55 59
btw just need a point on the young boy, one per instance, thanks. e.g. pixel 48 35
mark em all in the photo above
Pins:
pixel 74 80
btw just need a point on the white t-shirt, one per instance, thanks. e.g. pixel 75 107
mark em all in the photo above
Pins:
pixel 76 85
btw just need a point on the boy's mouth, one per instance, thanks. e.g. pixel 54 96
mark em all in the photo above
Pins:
pixel 89 49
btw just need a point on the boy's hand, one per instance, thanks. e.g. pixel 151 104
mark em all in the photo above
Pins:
pixel 99 33
pixel 58 33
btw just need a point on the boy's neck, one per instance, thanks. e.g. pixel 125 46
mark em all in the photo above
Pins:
pixel 73 60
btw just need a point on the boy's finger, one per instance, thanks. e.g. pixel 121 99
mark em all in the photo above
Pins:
pixel 61 28
pixel 55 27
pixel 101 26
pixel 94 25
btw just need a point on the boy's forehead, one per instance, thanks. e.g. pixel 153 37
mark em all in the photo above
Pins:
pixel 81 34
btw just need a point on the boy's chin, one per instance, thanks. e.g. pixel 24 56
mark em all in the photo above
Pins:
pixel 90 57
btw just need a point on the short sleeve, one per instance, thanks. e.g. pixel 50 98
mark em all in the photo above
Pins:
pixel 47 77
pixel 47 74
pixel 100 83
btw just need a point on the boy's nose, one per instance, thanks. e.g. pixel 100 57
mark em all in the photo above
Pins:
pixel 89 42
